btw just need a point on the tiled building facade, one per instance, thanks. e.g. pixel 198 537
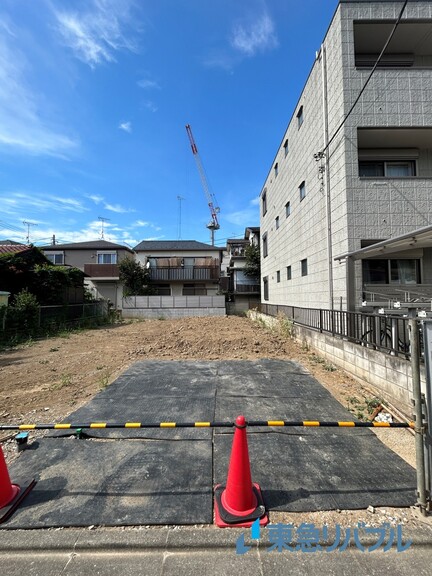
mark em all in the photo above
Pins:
pixel 374 179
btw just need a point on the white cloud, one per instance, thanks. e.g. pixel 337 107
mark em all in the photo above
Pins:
pixel 117 208
pixel 150 105
pixel 141 223
pixel 126 126
pixel 248 216
pixel 257 35
pixel 22 202
pixel 149 84
pixel 24 125
pixel 94 35
pixel 96 198
pixel 255 201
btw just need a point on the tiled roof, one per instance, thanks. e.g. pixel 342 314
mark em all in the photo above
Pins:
pixel 174 246
pixel 14 248
pixel 91 245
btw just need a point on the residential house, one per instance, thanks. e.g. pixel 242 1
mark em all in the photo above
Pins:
pixel 348 195
pixel 181 267
pixel 243 292
pixel 98 259
pixel 22 268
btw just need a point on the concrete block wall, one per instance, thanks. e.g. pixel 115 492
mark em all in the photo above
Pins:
pixel 170 313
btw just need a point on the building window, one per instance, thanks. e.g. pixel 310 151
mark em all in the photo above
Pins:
pixel 264 202
pixel 276 169
pixel 300 117
pixel 265 245
pixel 302 190
pixel 162 289
pixel 194 290
pixel 287 209
pixel 107 258
pixel 266 288
pixel 285 148
pixel 391 271
pixel 387 168
pixel 277 222
pixel 304 267
pixel 56 258
pixel 278 276
pixel 288 272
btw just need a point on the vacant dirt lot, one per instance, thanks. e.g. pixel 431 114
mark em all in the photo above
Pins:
pixel 46 380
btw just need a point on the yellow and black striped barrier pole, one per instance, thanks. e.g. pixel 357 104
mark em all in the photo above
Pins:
pixel 250 423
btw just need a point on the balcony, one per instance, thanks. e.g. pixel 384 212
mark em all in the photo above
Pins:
pixel 189 273
pixel 247 289
pixel 102 270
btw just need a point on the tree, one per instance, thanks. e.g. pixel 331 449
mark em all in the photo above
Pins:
pixel 134 277
pixel 253 261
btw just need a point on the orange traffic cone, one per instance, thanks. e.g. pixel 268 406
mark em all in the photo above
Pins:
pixel 239 503
pixel 8 491
pixel 11 495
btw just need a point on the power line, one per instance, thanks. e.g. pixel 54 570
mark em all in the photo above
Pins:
pixel 320 154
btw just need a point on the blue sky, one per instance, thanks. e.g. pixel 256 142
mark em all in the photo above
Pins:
pixel 95 96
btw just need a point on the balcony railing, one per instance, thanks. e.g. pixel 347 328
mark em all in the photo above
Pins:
pixel 249 288
pixel 101 270
pixel 184 273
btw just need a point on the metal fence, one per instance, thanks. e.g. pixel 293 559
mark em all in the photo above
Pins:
pixel 17 326
pixel 388 333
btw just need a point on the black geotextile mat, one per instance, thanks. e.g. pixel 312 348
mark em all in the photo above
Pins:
pixel 299 469
pixel 114 483
pixel 281 408
pixel 143 408
pixel 329 470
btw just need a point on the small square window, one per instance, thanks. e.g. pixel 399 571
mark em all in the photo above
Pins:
pixel 300 117
pixel 304 267
pixel 285 148
pixel 56 258
pixel 277 222
pixel 288 272
pixel 278 276
pixel 107 258
pixel 302 190
pixel 276 169
pixel 287 209
pixel 265 245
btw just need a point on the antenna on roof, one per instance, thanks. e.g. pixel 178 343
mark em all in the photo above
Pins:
pixel 103 220
pixel 179 198
pixel 28 224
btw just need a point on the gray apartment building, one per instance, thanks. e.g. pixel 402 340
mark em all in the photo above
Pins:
pixel 346 210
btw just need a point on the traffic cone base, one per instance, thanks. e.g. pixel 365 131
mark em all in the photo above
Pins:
pixel 226 519
pixel 11 495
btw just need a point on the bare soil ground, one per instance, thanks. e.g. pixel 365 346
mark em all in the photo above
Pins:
pixel 45 381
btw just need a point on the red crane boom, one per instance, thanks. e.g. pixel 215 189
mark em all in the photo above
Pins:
pixel 211 200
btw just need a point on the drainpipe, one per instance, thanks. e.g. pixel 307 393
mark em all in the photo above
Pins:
pixel 418 415
pixel 327 174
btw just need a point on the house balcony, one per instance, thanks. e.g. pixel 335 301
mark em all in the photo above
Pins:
pixel 247 289
pixel 100 271
pixel 184 273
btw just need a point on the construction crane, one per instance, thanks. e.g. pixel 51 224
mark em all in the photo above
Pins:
pixel 211 200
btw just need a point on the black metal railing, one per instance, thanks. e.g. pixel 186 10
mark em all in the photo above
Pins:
pixel 184 273
pixel 388 333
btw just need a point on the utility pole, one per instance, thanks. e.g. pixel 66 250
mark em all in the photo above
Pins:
pixel 179 198
pixel 28 224
pixel 103 220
